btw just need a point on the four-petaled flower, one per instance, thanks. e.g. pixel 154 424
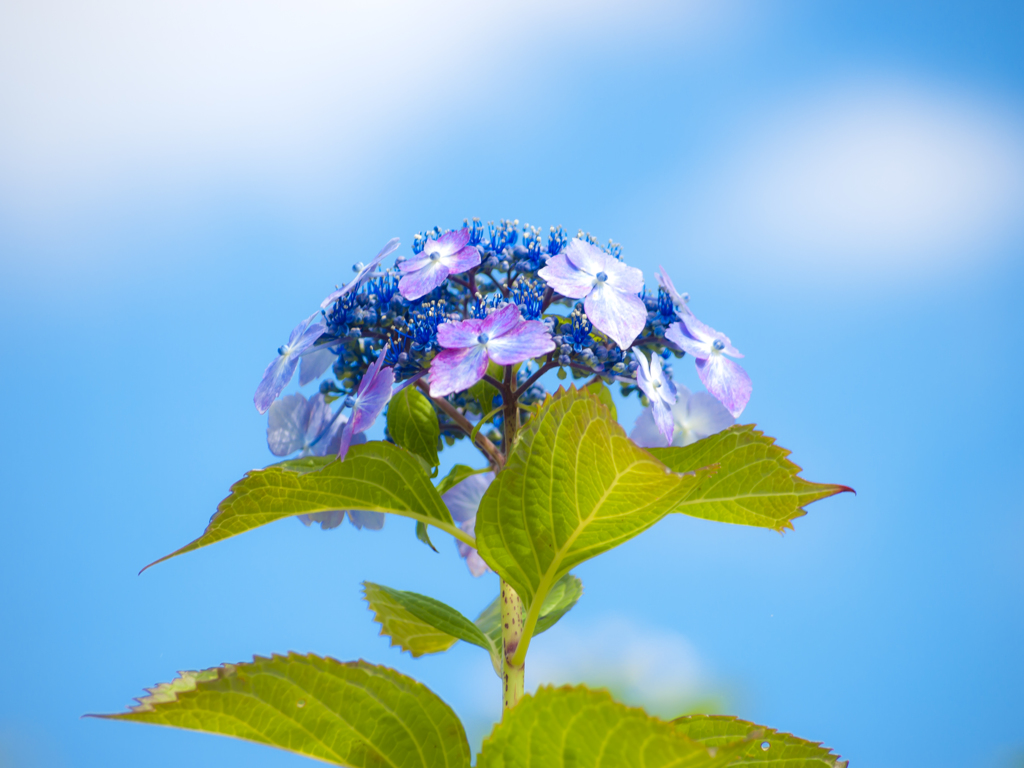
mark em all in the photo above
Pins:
pixel 449 254
pixel 362 273
pixel 608 287
pixel 695 417
pixel 724 379
pixel 660 391
pixel 280 371
pixel 463 500
pixel 372 394
pixel 468 345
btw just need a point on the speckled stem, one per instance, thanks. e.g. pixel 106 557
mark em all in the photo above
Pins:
pixel 511 634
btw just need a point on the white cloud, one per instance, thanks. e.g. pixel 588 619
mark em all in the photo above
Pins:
pixel 642 665
pixel 870 179
pixel 97 91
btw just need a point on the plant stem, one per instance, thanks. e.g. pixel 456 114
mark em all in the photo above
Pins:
pixel 485 445
pixel 511 414
pixel 511 633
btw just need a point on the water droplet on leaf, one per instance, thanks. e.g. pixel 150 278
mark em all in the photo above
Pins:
pixel 302 702
pixel 765 745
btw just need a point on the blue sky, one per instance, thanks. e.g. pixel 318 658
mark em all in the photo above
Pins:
pixel 840 188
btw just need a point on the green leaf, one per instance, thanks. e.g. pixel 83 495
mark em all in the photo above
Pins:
pixel 484 392
pixel 424 535
pixel 457 474
pixel 420 624
pixel 601 391
pixel 376 476
pixel 756 484
pixel 562 597
pixel 575 486
pixel 574 727
pixel 353 714
pixel 767 746
pixel 412 423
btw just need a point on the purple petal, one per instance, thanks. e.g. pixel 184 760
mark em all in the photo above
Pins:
pixel 454 370
pixel 623 277
pixel 561 275
pixel 677 335
pixel 678 299
pixel 314 363
pixel 465 333
pixel 416 285
pixel 474 562
pixel 364 274
pixel 460 261
pixel 646 433
pixel 501 321
pixel 330 519
pixel 698 330
pixel 286 424
pixel 361 518
pixel 301 328
pixel 275 378
pixel 531 339
pixel 408 382
pixel 727 381
pixel 321 417
pixel 663 419
pixel 587 257
pixel 448 243
pixel 416 263
pixel 619 316
pixel 706 416
pixel 306 339
pixel 463 499
pixel 372 395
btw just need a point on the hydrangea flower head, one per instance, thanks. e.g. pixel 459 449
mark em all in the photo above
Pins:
pixel 608 287
pixel 362 273
pixel 280 371
pixel 695 416
pixel 463 501
pixel 468 345
pixel 660 391
pixel 371 397
pixel 449 254
pixel 724 379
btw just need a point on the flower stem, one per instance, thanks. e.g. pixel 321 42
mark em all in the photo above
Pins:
pixel 511 633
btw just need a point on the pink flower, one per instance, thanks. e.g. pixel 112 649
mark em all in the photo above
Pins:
pixel 504 337
pixel 609 289
pixel 448 255
pixel 724 379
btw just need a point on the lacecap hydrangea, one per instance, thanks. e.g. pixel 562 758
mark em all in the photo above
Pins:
pixel 474 317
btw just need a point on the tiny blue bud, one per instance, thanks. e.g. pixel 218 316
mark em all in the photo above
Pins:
pixel 483 338
pixel 719 345
pixel 602 276
pixel 350 401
